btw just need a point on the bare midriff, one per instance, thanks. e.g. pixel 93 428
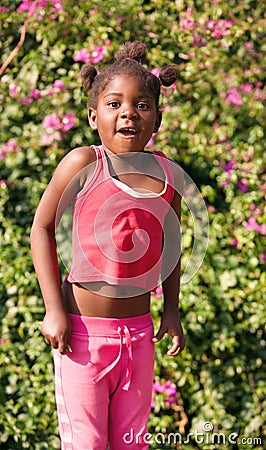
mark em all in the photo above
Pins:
pixel 104 300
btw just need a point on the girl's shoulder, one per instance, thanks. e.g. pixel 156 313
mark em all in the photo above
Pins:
pixel 83 160
pixel 81 156
pixel 75 161
pixel 72 167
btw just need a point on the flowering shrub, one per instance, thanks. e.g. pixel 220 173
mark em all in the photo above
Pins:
pixel 213 125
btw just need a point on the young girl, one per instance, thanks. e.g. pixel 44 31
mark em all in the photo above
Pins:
pixel 126 210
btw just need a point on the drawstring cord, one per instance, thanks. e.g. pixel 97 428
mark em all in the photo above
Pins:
pixel 129 364
pixel 123 333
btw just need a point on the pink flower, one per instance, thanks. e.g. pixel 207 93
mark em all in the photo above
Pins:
pixel 168 390
pixel 219 28
pixel 246 88
pixel 155 71
pixel 210 24
pixel 233 97
pixel 157 292
pixel 25 5
pixel 57 5
pixel 50 137
pixel 191 54
pixel 253 225
pixel 157 387
pixel 228 166
pixel 13 90
pixel 82 56
pixel 94 57
pixel 211 209
pixel 26 101
pixel 222 28
pixel 29 5
pixel 36 94
pixel 234 242
pixel 11 146
pixel 259 94
pixel 198 40
pixel 225 184
pixel 59 84
pixel 3 183
pixel 187 22
pixel 3 152
pixel 52 121
pixel 243 186
pixel 57 87
pixel 262 257
pixel 68 121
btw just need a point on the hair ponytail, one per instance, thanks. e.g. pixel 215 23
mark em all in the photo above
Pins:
pixel 132 50
pixel 88 74
pixel 168 75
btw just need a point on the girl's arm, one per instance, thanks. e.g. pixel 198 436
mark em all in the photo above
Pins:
pixel 60 191
pixel 170 322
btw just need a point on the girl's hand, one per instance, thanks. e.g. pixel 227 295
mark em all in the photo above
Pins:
pixel 56 329
pixel 171 324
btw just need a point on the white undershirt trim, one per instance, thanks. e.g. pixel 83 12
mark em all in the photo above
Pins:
pixel 138 194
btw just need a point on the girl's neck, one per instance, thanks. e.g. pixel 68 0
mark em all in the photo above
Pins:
pixel 121 155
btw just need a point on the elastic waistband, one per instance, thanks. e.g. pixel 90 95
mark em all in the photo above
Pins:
pixel 102 325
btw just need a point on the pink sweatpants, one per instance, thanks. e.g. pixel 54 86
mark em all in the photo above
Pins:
pixel 104 386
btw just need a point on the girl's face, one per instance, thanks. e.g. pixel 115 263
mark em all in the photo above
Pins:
pixel 126 115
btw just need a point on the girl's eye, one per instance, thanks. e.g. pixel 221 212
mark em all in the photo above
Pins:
pixel 143 106
pixel 113 104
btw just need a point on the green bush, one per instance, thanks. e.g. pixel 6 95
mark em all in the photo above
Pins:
pixel 213 125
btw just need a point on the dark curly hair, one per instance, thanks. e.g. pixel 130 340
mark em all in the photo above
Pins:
pixel 129 61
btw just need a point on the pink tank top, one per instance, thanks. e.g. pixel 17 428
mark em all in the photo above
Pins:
pixel 116 237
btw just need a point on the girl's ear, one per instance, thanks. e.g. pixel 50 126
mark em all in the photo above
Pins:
pixel 158 121
pixel 92 117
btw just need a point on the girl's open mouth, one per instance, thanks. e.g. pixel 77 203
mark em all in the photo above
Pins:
pixel 127 132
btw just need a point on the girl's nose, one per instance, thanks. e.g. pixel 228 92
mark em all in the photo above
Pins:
pixel 129 112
